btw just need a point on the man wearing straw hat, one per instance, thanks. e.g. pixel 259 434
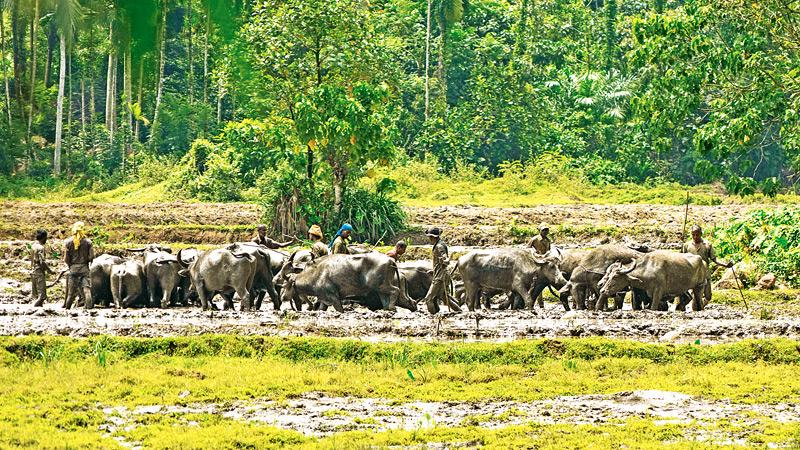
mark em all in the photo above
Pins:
pixel 78 255
pixel 318 248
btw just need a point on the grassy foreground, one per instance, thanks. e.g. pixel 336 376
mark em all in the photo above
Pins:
pixel 52 390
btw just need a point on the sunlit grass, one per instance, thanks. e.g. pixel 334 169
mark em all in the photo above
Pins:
pixel 52 390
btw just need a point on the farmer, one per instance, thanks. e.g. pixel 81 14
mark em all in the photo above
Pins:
pixel 338 245
pixel 318 248
pixel 262 239
pixel 441 278
pixel 702 248
pixel 39 269
pixel 78 255
pixel 540 242
pixel 398 251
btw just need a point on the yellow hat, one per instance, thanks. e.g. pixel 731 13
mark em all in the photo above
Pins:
pixel 315 230
pixel 77 227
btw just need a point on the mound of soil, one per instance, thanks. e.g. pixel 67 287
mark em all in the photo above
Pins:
pixel 218 223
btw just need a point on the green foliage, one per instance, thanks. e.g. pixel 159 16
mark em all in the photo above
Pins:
pixel 373 213
pixel 770 238
pixel 209 173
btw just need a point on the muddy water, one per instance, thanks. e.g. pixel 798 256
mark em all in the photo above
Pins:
pixel 317 414
pixel 718 323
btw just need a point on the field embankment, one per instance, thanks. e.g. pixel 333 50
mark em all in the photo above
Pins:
pixel 219 223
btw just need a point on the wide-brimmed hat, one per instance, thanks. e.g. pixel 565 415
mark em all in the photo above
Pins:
pixel 315 230
pixel 433 232
pixel 543 226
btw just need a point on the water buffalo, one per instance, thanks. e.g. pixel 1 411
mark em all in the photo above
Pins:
pixel 221 271
pixel 333 278
pixel 162 272
pixel 100 275
pixel 128 283
pixel 590 268
pixel 416 278
pixel 662 274
pixel 518 270
pixel 262 280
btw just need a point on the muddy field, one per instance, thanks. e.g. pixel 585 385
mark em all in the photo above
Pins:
pixel 188 223
pixel 718 323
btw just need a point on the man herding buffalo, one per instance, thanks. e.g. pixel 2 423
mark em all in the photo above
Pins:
pixel 78 254
pixel 39 269
pixel 441 277
pixel 262 239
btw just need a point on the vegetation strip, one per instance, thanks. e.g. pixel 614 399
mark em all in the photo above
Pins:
pixel 36 348
pixel 41 410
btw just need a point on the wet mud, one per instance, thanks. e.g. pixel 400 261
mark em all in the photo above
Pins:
pixel 317 414
pixel 718 323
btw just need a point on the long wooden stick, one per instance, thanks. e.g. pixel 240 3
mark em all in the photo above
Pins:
pixel 685 218
pixel 739 285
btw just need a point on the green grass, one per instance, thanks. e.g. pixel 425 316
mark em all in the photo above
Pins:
pixel 421 185
pixel 52 388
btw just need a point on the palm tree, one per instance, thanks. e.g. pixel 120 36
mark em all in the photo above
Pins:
pixel 68 14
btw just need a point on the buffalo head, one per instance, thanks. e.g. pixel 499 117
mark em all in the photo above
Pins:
pixel 616 278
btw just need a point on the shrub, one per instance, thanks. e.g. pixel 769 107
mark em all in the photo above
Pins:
pixel 208 173
pixel 770 238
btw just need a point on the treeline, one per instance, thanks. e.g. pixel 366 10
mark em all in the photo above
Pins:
pixel 301 98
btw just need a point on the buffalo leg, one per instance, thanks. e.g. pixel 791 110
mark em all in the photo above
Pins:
pixel 619 300
pixel 698 304
pixel 203 294
pixel 245 299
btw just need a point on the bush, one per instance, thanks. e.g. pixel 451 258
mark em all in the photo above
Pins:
pixel 770 238
pixel 373 214
pixel 208 173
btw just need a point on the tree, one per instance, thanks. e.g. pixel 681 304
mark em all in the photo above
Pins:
pixel 68 14
pixel 3 56
pixel 348 129
pixel 301 44
pixel 450 12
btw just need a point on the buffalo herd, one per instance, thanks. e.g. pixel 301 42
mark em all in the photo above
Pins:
pixel 503 278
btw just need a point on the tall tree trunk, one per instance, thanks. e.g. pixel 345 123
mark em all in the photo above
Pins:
pixel 440 67
pixel 128 75
pixel 139 99
pixel 427 59
pixel 62 72
pixel 18 52
pixel 160 82
pixel 3 57
pixel 52 41
pixel 191 55
pixel 34 26
pixel 219 108
pixel 205 55
pixel 109 76
pixel 69 94
pixel 83 103
pixel 92 66
pixel 91 102
pixel 113 112
pixel 69 112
